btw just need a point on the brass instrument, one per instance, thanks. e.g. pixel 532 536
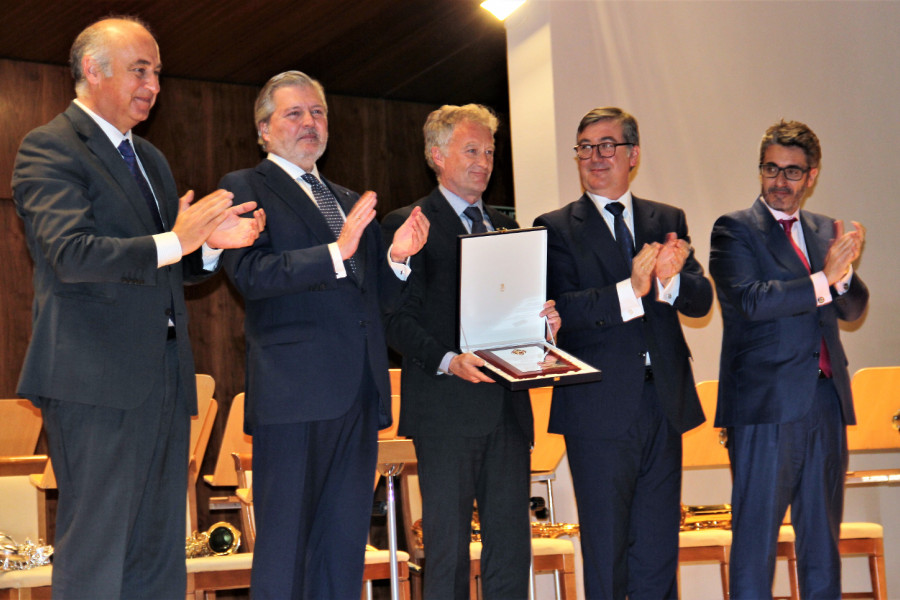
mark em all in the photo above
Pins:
pixel 220 539
pixel 714 516
pixel 540 529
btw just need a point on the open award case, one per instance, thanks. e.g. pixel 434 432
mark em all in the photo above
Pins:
pixel 502 289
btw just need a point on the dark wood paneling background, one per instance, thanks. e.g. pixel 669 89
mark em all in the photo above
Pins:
pixel 206 130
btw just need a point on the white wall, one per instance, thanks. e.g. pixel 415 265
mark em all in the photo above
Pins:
pixel 704 80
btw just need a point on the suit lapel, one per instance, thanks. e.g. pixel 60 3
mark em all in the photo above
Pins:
pixel 156 182
pixel 100 146
pixel 816 241
pixel 589 227
pixel 776 240
pixel 346 203
pixel 289 193
pixel 445 217
pixel 647 228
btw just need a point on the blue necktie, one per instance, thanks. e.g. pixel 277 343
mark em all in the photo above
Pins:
pixel 127 153
pixel 474 214
pixel 623 236
pixel 328 206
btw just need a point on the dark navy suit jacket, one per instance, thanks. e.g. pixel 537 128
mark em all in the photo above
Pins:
pixel 584 265
pixel 309 335
pixel 772 327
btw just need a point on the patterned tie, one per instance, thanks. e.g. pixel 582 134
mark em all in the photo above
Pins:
pixel 824 357
pixel 474 214
pixel 127 153
pixel 328 206
pixel 623 236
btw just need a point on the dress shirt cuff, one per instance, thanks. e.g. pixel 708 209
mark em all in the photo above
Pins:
pixel 843 284
pixel 168 248
pixel 401 269
pixel 210 257
pixel 820 285
pixel 669 292
pixel 339 270
pixel 444 369
pixel 629 303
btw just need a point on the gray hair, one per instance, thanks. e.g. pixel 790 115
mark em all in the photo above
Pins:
pixel 440 124
pixel 94 41
pixel 265 105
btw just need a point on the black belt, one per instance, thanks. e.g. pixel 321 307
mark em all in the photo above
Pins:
pixel 171 334
pixel 648 373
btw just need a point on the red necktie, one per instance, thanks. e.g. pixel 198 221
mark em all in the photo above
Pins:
pixel 824 358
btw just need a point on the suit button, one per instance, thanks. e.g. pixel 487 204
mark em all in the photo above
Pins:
pixel 600 323
pixel 168 312
pixel 642 355
pixel 644 318
pixel 816 354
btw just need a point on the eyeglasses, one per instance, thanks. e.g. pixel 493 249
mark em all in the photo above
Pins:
pixel 605 149
pixel 791 173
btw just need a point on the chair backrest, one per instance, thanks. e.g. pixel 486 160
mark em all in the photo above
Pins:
pixel 702 447
pixel 233 440
pixel 243 470
pixel 549 448
pixel 19 509
pixel 876 399
pixel 202 423
pixel 20 427
pixel 389 433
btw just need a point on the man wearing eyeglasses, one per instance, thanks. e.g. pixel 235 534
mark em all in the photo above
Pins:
pixel 784 277
pixel 621 269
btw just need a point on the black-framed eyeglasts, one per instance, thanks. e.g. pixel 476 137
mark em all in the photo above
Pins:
pixel 606 149
pixel 791 173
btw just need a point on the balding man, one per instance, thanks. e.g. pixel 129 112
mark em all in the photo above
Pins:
pixel 109 363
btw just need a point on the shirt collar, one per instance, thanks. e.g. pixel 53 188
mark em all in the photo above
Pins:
pixel 458 204
pixel 294 171
pixel 602 201
pixel 115 136
pixel 779 215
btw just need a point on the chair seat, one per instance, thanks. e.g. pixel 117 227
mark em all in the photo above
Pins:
pixel 29 578
pixel 704 537
pixel 374 557
pixel 849 531
pixel 539 547
pixel 229 562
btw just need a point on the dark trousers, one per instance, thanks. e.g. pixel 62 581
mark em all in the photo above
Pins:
pixel 122 478
pixel 801 464
pixel 495 471
pixel 628 491
pixel 312 497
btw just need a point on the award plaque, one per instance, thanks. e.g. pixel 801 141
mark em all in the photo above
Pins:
pixel 502 290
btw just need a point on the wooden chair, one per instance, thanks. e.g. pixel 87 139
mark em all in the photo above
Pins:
pixel 233 440
pixel 701 449
pixel 20 427
pixel 201 430
pixel 377 564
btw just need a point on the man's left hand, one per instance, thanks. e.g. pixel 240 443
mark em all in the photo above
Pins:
pixel 411 236
pixel 552 318
pixel 235 231
pixel 671 258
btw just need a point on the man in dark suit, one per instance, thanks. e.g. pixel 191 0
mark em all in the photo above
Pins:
pixel 784 277
pixel 472 436
pixel 315 284
pixel 109 362
pixel 620 314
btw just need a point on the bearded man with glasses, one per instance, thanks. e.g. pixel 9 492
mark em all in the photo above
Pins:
pixel 784 277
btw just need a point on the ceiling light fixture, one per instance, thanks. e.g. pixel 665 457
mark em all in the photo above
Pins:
pixel 502 8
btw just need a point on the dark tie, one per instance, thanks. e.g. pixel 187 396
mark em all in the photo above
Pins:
pixel 474 214
pixel 328 206
pixel 127 153
pixel 824 357
pixel 623 236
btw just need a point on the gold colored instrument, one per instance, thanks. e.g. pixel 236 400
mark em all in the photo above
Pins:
pixel 220 539
pixel 714 516
pixel 554 530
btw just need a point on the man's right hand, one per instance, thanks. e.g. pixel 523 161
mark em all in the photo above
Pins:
pixel 197 220
pixel 359 218
pixel 465 366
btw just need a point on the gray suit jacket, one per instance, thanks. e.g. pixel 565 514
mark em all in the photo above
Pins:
pixel 101 305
